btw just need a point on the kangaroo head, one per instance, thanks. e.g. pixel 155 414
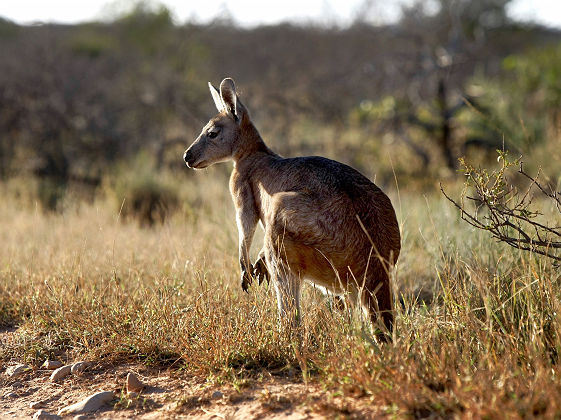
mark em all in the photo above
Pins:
pixel 220 138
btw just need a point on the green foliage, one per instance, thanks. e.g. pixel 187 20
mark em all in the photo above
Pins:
pixel 7 28
pixel 147 26
pixel 538 75
pixel 92 42
pixel 369 111
pixel 521 106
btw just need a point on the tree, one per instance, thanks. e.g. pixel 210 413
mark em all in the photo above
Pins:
pixel 452 43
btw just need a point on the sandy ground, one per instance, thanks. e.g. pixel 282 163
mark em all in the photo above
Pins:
pixel 171 393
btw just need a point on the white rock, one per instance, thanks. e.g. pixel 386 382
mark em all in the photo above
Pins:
pixel 92 403
pixel 52 364
pixel 60 373
pixel 45 415
pixel 34 405
pixel 11 395
pixel 79 367
pixel 133 383
pixel 15 371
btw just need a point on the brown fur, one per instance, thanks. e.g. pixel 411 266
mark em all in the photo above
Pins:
pixel 324 221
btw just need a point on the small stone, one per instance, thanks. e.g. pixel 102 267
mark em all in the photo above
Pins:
pixel 60 373
pixel 133 383
pixel 132 394
pixel 80 417
pixel 34 405
pixel 79 367
pixel 45 415
pixel 52 364
pixel 11 395
pixel 217 395
pixel 17 384
pixel 15 371
pixel 92 403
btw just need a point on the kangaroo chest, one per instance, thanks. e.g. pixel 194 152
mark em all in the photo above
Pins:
pixel 251 197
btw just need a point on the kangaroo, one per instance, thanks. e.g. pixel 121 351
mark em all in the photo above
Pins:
pixel 324 221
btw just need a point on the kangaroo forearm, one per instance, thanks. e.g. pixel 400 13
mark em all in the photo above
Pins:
pixel 244 259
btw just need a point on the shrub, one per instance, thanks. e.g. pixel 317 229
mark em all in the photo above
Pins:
pixel 508 212
pixel 142 193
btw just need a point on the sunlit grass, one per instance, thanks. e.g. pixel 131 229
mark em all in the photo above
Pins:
pixel 482 337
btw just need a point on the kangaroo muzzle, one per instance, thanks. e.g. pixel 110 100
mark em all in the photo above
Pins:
pixel 188 158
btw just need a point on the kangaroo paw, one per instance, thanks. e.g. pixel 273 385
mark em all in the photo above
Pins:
pixel 246 281
pixel 260 271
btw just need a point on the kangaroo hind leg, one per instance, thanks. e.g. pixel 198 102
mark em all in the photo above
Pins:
pixel 378 302
pixel 287 286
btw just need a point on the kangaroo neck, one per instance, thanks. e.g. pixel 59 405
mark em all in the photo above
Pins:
pixel 251 147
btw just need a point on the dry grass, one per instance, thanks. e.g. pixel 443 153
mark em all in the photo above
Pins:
pixel 484 342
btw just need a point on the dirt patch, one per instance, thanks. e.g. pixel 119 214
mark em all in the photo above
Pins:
pixel 167 393
pixel 172 393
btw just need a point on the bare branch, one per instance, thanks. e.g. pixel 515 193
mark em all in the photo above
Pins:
pixel 505 212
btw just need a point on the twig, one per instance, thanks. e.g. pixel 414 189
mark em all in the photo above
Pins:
pixel 508 214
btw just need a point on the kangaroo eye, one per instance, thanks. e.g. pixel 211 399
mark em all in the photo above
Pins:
pixel 213 132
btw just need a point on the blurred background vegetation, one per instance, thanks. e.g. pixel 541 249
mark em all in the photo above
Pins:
pixel 82 107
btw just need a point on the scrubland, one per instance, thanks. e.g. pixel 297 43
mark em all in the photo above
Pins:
pixel 477 326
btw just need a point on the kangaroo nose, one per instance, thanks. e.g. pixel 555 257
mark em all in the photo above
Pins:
pixel 187 156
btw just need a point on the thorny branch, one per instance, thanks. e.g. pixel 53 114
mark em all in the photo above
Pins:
pixel 505 211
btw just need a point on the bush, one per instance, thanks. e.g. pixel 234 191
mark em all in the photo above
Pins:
pixel 50 193
pixel 142 193
pixel 507 211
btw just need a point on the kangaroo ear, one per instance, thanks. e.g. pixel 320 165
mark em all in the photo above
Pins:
pixel 217 99
pixel 229 97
